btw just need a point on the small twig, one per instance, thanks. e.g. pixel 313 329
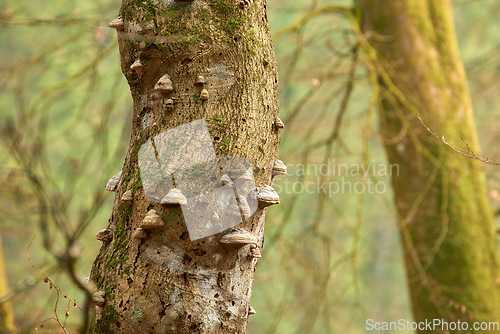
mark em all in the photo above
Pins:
pixel 58 291
pixel 469 153
pixel 310 15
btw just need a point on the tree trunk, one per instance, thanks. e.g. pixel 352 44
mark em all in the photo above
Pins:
pixel 6 314
pixel 446 223
pixel 167 283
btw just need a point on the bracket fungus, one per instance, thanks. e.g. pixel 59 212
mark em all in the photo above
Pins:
pixel 174 197
pixel 279 168
pixel 251 310
pixel 268 196
pixel 254 251
pixel 224 180
pixel 140 233
pixel 128 197
pixel 204 95
pixel 151 221
pixel 279 123
pixel 164 84
pixel 98 297
pixel 105 236
pixel 200 81
pixel 137 67
pixel 117 24
pixel 169 105
pixel 238 237
pixel 113 182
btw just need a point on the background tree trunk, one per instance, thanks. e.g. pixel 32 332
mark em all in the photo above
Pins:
pixel 167 283
pixel 446 222
pixel 6 314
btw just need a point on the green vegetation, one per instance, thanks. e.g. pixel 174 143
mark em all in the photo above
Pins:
pixel 111 316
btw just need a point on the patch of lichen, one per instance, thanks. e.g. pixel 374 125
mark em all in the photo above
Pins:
pixel 127 269
pixel 137 314
pixel 232 24
pixel 97 279
pixel 169 219
pixel 113 261
pixel 191 27
pixel 147 7
pixel 224 7
pixel 220 125
pixel 137 184
pixel 109 291
pixel 134 154
pixel 178 21
pixel 130 181
pixel 223 146
pixel 109 316
pixel 230 19
pixel 126 177
pixel 119 255
pixel 124 209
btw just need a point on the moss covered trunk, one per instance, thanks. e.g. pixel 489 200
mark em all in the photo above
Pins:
pixel 166 283
pixel 446 223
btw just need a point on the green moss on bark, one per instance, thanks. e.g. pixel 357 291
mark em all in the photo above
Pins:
pixel 446 223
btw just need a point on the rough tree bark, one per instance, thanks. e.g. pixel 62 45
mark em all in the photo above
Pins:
pixel 167 283
pixel 446 222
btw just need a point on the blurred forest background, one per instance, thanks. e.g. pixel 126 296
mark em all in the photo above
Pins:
pixel 330 261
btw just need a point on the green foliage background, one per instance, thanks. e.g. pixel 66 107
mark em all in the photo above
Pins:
pixel 328 264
